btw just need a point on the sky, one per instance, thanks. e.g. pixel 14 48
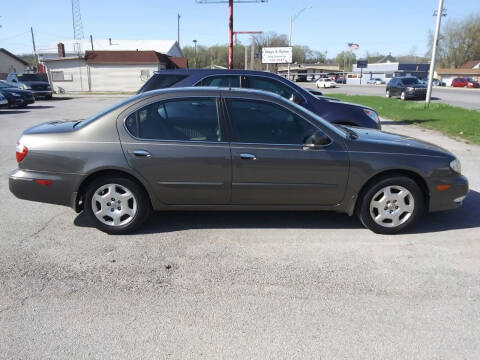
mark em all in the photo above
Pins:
pixel 399 27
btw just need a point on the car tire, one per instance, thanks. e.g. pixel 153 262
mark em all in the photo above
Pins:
pixel 130 206
pixel 391 205
pixel 403 96
pixel 387 93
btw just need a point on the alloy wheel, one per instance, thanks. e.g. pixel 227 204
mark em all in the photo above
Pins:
pixel 392 206
pixel 114 205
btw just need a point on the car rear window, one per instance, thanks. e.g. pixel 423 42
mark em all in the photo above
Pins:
pixel 161 82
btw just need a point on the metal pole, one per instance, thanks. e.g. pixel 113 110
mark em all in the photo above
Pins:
pixel 246 57
pixel 268 44
pixel 91 42
pixel 195 53
pixel 178 30
pixel 35 60
pixel 230 34
pixel 252 54
pixel 434 52
pixel 290 44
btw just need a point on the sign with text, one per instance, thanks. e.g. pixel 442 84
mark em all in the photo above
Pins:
pixel 362 64
pixel 277 55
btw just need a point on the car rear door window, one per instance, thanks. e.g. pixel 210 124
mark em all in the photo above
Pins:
pixel 263 122
pixel 221 81
pixel 193 119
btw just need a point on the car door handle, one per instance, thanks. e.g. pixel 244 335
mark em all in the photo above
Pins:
pixel 140 153
pixel 248 157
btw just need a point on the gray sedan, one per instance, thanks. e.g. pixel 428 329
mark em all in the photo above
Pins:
pixel 230 149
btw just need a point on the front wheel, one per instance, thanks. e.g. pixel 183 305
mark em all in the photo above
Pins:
pixel 391 205
pixel 117 205
pixel 387 93
pixel 403 96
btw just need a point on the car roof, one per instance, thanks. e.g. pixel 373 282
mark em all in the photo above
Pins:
pixel 213 90
pixel 216 71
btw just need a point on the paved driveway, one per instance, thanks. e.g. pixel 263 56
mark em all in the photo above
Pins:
pixel 220 285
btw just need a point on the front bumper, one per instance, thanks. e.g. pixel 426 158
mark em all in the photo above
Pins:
pixel 42 93
pixel 61 190
pixel 451 198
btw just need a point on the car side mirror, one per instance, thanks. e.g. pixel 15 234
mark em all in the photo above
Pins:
pixel 318 138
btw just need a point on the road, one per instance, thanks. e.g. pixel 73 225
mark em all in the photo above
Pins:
pixel 220 285
pixel 467 98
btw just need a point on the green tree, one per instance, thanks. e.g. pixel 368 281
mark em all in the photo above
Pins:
pixel 346 59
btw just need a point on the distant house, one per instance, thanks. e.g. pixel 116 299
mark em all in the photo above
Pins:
pixel 79 47
pixel 107 71
pixel 470 69
pixel 11 63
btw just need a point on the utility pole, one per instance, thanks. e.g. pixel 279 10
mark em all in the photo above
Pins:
pixel 195 52
pixel 434 52
pixel 246 57
pixel 35 60
pixel 292 18
pixel 178 30
pixel 91 42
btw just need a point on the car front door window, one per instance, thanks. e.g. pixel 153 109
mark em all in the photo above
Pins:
pixel 262 122
pixel 261 83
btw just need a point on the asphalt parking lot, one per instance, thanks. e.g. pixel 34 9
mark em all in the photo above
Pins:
pixel 466 98
pixel 220 285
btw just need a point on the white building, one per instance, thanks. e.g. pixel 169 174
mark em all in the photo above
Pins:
pixel 79 47
pixel 11 63
pixel 107 71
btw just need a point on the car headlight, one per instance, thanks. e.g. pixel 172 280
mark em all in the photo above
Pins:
pixel 456 166
pixel 372 115
pixel 27 87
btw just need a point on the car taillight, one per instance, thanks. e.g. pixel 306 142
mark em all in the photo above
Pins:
pixel 21 151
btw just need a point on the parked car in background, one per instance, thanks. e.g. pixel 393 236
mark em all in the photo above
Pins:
pixel 15 96
pixel 341 80
pixel 463 82
pixel 472 83
pixel 437 82
pixel 406 88
pixel 325 83
pixel 230 149
pixel 3 101
pixel 334 111
pixel 375 81
pixel 34 82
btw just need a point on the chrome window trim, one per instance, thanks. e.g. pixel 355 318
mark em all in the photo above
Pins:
pixel 148 103
pixel 282 106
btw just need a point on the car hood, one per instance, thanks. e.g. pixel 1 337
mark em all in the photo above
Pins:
pixel 337 101
pixel 16 90
pixel 416 86
pixel 372 140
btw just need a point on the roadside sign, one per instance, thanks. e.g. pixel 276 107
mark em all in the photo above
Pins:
pixel 362 64
pixel 277 55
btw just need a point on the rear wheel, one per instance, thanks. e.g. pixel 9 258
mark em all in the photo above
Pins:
pixel 387 93
pixel 117 205
pixel 403 96
pixel 391 205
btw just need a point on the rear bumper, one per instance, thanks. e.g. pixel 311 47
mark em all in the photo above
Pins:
pixel 451 198
pixel 61 190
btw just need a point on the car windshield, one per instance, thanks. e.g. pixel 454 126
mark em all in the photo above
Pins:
pixel 410 81
pixel 82 123
pixel 29 77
